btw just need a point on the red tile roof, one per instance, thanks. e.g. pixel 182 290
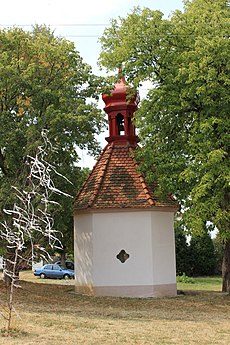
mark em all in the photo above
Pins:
pixel 116 183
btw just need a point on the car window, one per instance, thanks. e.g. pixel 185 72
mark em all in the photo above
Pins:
pixel 57 267
pixel 48 267
pixel 62 267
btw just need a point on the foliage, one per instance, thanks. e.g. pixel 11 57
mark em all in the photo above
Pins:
pixel 185 279
pixel 219 252
pixel 195 256
pixel 183 259
pixel 2 251
pixel 184 121
pixel 44 84
pixel 201 283
pixel 203 259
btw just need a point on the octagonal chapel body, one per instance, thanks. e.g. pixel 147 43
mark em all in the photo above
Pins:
pixel 123 235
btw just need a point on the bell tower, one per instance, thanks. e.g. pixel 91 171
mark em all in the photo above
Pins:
pixel 120 106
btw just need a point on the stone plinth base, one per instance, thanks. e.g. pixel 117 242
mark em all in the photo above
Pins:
pixel 84 290
pixel 138 291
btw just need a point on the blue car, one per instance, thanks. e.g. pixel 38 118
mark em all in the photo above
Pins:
pixel 54 271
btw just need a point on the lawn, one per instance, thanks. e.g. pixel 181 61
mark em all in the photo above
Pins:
pixel 51 313
pixel 202 284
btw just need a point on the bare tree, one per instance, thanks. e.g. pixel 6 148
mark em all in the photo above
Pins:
pixel 30 219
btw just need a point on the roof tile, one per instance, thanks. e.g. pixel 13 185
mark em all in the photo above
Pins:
pixel 116 183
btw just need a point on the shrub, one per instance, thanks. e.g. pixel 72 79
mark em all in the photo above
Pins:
pixel 203 259
pixel 185 279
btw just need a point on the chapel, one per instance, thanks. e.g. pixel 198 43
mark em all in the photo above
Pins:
pixel 123 234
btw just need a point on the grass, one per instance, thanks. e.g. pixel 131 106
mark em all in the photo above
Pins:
pixel 202 284
pixel 51 313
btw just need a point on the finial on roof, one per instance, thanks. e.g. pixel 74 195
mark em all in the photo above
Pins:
pixel 120 74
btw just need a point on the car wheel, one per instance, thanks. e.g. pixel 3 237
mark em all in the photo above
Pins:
pixel 66 276
pixel 42 276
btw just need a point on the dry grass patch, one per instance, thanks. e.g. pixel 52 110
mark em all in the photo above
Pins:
pixel 53 314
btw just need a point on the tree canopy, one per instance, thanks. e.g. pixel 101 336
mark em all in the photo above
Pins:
pixel 44 84
pixel 184 120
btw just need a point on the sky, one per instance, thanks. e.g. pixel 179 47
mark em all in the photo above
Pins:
pixel 80 21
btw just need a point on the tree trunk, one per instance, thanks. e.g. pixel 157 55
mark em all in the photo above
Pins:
pixel 10 268
pixel 14 279
pixel 63 258
pixel 226 268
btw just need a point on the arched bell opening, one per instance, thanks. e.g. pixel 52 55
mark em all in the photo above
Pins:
pixel 130 126
pixel 120 124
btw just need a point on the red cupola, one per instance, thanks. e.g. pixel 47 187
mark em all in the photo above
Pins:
pixel 120 106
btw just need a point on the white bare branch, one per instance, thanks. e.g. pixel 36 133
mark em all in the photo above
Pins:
pixel 30 218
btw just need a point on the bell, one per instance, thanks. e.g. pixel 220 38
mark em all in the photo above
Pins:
pixel 121 127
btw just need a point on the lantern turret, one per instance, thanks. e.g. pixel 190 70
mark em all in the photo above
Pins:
pixel 120 106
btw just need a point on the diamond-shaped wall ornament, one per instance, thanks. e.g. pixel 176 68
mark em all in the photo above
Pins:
pixel 122 256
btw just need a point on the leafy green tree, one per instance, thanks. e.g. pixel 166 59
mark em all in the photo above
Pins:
pixel 184 121
pixel 219 252
pixel 44 84
pixel 183 259
pixel 202 254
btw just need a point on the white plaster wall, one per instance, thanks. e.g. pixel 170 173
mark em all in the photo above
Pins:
pixel 163 248
pixel 113 232
pixel 83 249
pixel 147 236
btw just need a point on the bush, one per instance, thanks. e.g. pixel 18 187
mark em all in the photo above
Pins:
pixel 183 261
pixel 203 259
pixel 185 279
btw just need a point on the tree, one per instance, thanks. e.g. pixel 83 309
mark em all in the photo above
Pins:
pixel 44 84
pixel 202 253
pixel 183 259
pixel 219 252
pixel 184 121
pixel 30 216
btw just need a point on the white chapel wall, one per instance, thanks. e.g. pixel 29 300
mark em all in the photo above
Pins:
pixel 113 232
pixel 148 238
pixel 83 248
pixel 163 248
